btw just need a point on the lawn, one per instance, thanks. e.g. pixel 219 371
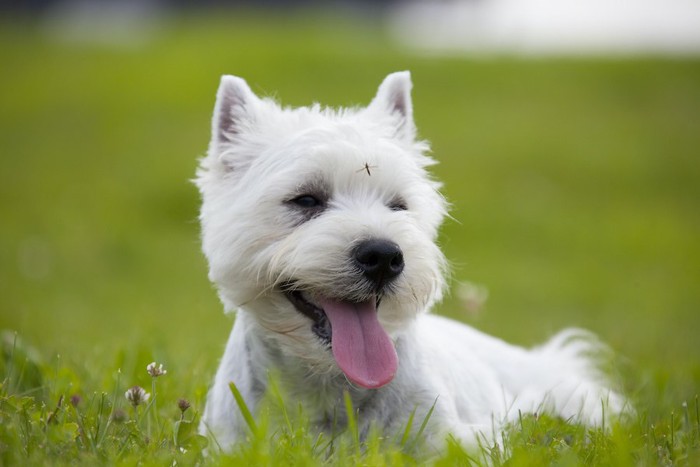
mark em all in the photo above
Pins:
pixel 575 191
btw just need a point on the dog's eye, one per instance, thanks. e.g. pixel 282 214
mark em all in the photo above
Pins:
pixel 398 204
pixel 307 201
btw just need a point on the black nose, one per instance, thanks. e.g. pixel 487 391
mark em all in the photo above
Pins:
pixel 379 260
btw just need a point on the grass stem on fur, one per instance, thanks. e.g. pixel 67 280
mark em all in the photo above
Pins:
pixel 352 420
pixel 407 430
pixel 424 424
pixel 245 412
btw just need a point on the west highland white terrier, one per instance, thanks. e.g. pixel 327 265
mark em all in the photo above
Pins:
pixel 320 228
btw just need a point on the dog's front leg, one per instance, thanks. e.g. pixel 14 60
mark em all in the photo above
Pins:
pixel 222 421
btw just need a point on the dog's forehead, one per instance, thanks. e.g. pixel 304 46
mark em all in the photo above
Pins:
pixel 347 151
pixel 341 138
pixel 349 156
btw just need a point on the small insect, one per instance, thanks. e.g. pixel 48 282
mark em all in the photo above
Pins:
pixel 366 167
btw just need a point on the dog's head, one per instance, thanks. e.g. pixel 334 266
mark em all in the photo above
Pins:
pixel 322 224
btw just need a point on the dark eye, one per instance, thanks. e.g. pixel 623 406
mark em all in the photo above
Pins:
pixel 398 204
pixel 307 201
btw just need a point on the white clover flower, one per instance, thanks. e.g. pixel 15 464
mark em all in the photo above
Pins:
pixel 155 371
pixel 137 396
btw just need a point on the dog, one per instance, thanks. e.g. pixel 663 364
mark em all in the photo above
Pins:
pixel 319 226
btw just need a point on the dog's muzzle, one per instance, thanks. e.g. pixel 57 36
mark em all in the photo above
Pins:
pixel 350 326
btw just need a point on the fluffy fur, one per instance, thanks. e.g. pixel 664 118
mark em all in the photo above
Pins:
pixel 287 197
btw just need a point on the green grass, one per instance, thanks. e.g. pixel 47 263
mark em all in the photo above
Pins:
pixel 575 187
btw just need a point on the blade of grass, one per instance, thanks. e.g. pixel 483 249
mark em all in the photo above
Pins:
pixel 426 419
pixel 247 416
pixel 111 411
pixel 11 366
pixel 277 394
pixel 423 425
pixel 407 430
pixel 697 416
pixel 352 421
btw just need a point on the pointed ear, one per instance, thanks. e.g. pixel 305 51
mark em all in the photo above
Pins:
pixel 233 111
pixel 394 98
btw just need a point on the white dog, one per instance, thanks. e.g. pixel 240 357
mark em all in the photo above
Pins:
pixel 319 226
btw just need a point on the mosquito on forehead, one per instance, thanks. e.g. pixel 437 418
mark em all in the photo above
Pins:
pixel 366 168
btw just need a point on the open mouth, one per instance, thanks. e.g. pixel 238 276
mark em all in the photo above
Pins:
pixel 361 347
pixel 321 326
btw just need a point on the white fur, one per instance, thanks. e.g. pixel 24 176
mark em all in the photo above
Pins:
pixel 260 157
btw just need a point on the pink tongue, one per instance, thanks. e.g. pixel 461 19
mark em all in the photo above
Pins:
pixel 361 347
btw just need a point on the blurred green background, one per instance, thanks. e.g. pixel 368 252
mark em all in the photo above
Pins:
pixel 575 184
